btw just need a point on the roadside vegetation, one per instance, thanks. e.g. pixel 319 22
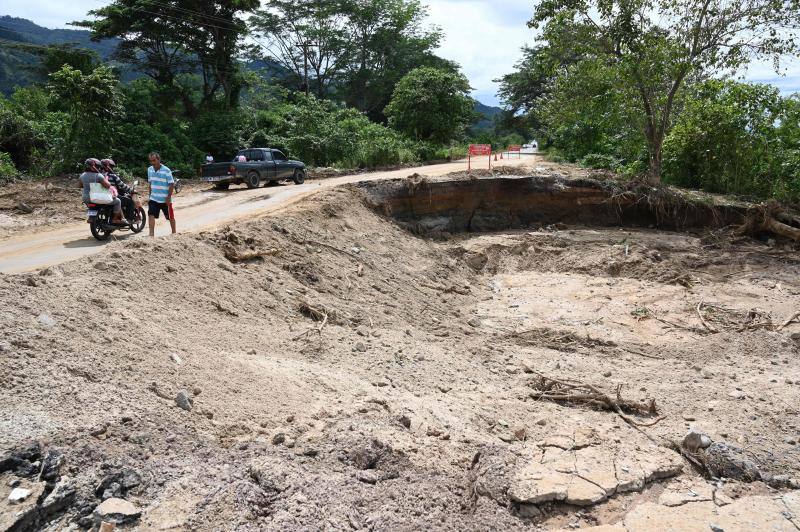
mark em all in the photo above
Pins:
pixel 648 89
pixel 230 75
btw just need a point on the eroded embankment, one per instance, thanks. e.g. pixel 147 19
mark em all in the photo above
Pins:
pixel 497 204
pixel 327 369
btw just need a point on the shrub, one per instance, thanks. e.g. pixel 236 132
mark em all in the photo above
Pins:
pixel 600 161
pixel 7 169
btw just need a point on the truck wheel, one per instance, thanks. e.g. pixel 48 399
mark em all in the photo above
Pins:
pixel 299 177
pixel 222 186
pixel 253 180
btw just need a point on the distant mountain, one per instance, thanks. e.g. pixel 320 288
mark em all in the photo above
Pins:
pixel 33 33
pixel 487 113
pixel 19 36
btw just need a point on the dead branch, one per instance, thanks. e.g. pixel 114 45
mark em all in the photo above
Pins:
pixel 790 320
pixel 245 256
pixel 703 320
pixel 332 248
pixel 781 229
pixel 573 391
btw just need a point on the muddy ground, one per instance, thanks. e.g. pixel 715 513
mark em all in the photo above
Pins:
pixel 326 369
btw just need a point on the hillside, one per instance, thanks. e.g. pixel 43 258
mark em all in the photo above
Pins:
pixel 19 39
pixel 488 113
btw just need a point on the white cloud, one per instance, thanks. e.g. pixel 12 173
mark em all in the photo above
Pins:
pixel 484 37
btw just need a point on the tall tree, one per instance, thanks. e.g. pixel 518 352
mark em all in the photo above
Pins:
pixel 389 39
pixel 658 44
pixel 167 38
pixel 432 105
pixel 93 102
pixel 307 38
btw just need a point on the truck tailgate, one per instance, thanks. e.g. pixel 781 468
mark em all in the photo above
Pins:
pixel 217 171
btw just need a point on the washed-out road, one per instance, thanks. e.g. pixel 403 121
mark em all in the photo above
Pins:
pixel 37 249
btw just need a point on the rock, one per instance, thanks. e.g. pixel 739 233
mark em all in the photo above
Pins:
pixel 521 434
pixel 175 358
pixel 737 394
pixel 706 373
pixel 184 400
pixel 46 320
pixel 607 374
pixel 529 511
pixel 252 352
pixel 362 331
pixel 368 476
pixel 584 469
pixel 541 422
pixel 117 484
pixel 61 497
pixel 278 438
pixel 100 265
pixel 117 511
pixel 433 431
pixel 694 441
pixel 22 460
pixel 474 322
pixel 20 511
pixel 23 207
pixel 18 495
pixel 361 347
pixel 715 528
pixel 688 417
pixel 405 421
pixel 476 261
pixel 725 460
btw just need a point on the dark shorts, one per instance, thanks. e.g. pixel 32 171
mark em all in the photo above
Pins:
pixel 154 208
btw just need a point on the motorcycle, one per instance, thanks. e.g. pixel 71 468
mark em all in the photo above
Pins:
pixel 100 217
pixel 178 185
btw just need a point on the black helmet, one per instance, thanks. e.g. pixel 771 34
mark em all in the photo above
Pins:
pixel 92 165
pixel 108 164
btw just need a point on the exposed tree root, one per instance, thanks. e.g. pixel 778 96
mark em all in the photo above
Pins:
pixel 248 255
pixel 573 391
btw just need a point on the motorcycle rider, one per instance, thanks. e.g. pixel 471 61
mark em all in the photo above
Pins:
pixel 108 166
pixel 91 175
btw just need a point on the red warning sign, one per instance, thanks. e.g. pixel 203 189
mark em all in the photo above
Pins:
pixel 479 149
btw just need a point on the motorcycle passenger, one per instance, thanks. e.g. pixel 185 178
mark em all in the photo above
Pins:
pixel 108 166
pixel 91 175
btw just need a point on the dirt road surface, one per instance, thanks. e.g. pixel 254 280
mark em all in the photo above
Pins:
pixel 195 212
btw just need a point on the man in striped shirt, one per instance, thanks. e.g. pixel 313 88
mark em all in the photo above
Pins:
pixel 161 186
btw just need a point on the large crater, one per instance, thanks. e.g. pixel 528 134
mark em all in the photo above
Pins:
pixel 500 203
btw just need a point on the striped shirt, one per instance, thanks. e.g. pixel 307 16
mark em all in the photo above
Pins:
pixel 159 183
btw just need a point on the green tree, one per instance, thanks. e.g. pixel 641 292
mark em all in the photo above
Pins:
pixel 587 110
pixel 658 44
pixel 93 103
pixel 167 38
pixel 726 139
pixel 388 40
pixel 307 38
pixel 432 105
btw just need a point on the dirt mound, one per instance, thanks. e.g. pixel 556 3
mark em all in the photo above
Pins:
pixel 326 368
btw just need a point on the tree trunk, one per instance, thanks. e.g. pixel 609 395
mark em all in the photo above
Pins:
pixel 655 142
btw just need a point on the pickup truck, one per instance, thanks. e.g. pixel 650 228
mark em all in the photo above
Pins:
pixel 261 165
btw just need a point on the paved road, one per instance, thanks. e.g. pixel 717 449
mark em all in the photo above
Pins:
pixel 31 251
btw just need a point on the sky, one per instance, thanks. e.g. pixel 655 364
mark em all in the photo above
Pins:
pixel 483 36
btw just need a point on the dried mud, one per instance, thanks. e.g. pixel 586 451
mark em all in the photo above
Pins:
pixel 344 373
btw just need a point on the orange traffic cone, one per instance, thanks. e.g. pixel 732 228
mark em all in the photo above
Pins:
pixel 495 156
pixel 501 155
